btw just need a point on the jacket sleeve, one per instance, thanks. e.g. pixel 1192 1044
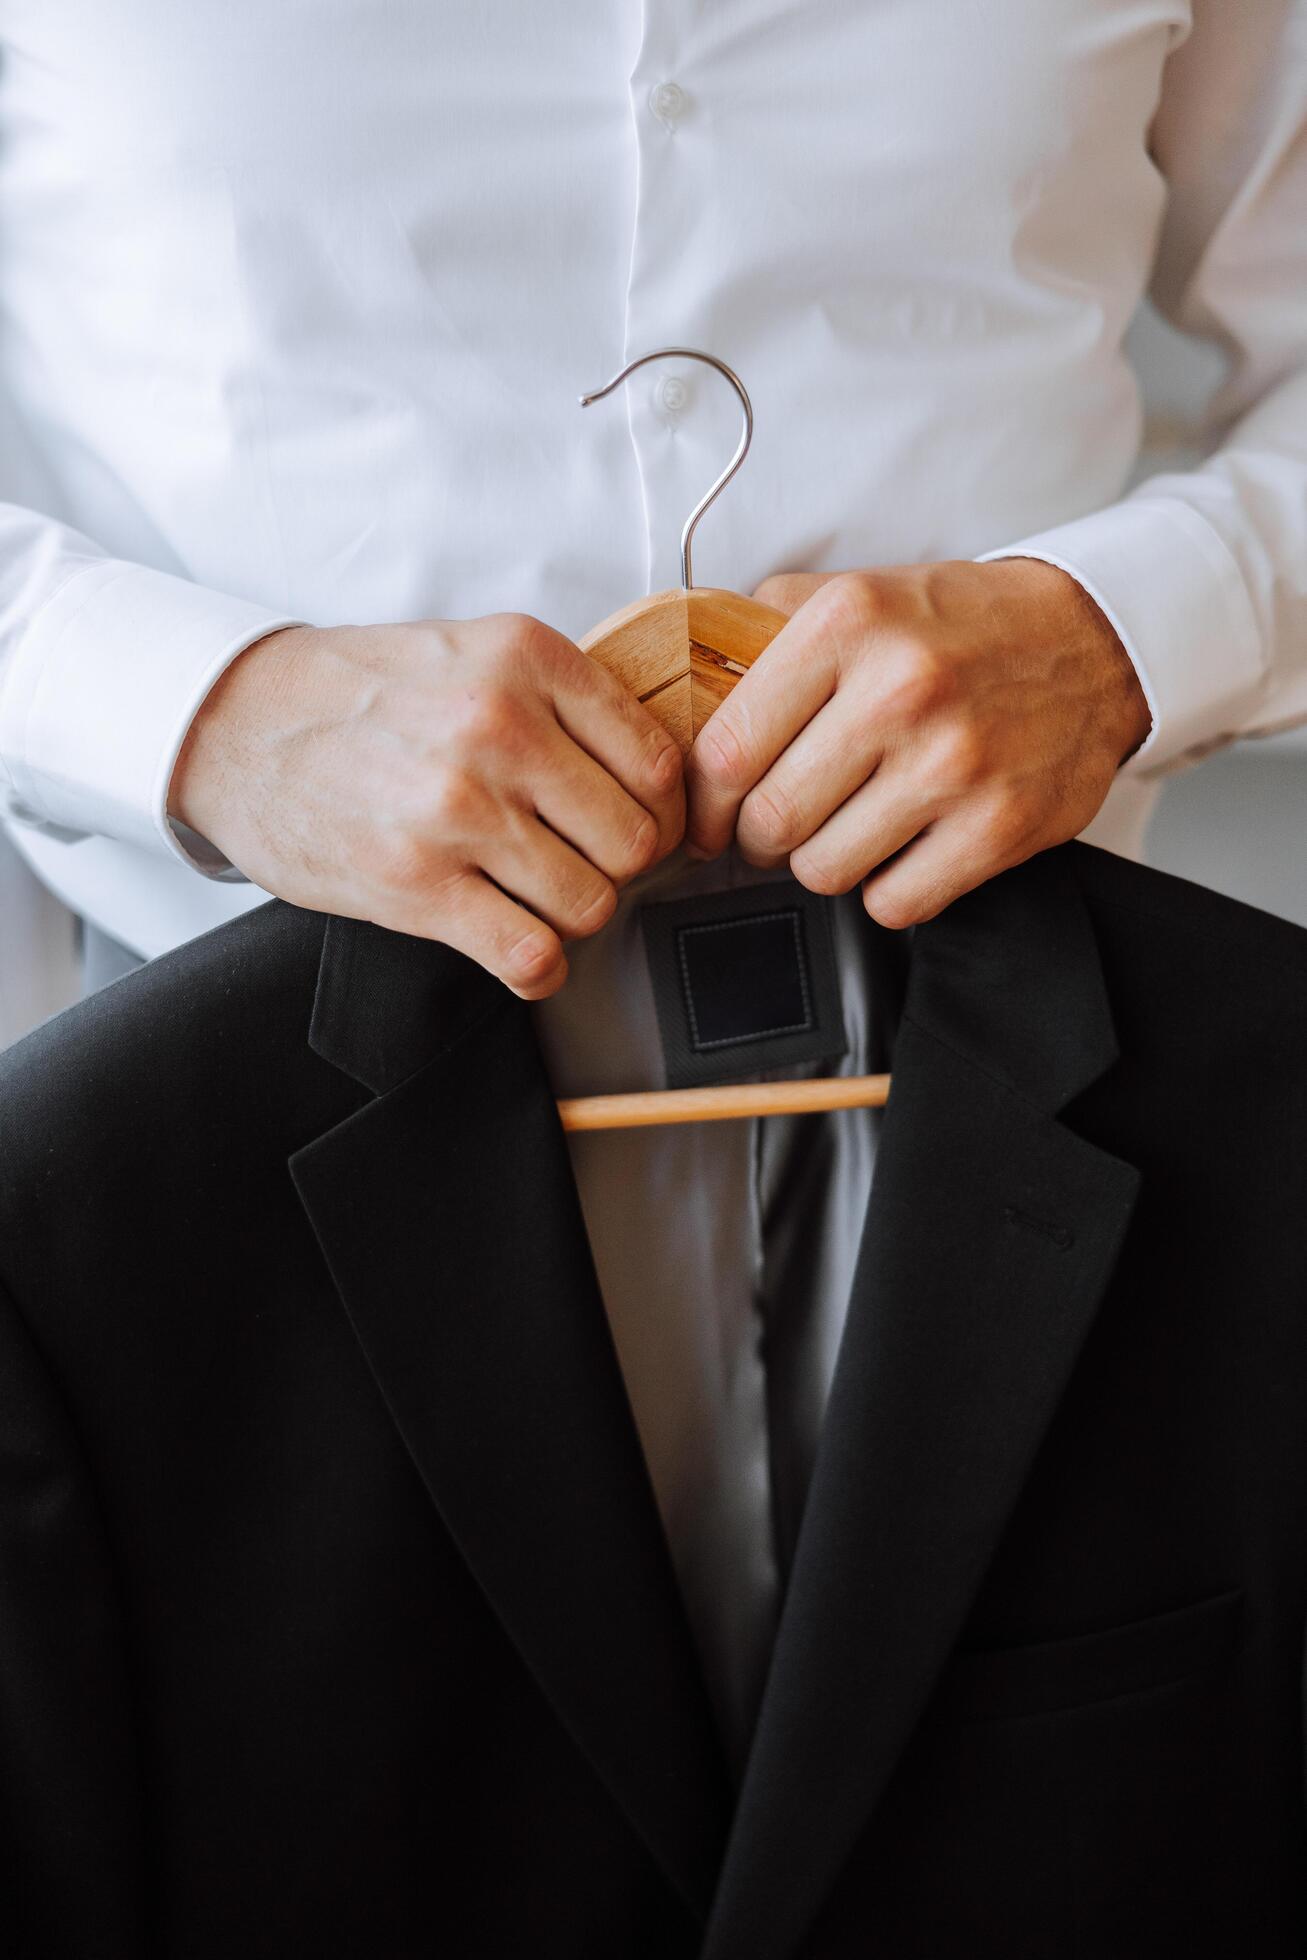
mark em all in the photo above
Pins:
pixel 70 1860
pixel 1203 572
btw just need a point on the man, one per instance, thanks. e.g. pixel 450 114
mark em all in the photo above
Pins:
pixel 307 520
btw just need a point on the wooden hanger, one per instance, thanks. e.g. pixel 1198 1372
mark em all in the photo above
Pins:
pixel 681 652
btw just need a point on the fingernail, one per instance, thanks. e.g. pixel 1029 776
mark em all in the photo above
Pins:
pixel 697 852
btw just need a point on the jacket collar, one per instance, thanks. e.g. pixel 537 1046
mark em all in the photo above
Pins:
pixel 448 1215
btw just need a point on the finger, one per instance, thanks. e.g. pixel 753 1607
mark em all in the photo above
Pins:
pixel 786 685
pixel 491 928
pixel 787 591
pixel 550 878
pixel 578 799
pixel 877 820
pixel 605 719
pixel 825 764
pixel 951 857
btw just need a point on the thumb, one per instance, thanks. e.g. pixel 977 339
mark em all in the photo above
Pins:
pixel 787 591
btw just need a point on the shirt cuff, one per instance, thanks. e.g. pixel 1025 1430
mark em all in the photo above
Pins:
pixel 1168 584
pixel 98 696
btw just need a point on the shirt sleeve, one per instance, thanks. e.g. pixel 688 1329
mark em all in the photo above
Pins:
pixel 1203 572
pixel 103 664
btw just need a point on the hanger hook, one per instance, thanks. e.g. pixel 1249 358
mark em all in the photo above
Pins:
pixel 742 449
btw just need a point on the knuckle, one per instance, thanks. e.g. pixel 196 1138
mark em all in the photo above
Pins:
pixel 852 600
pixel 960 756
pixel 493 716
pixel 769 816
pixel 592 908
pixel 818 873
pixel 917 680
pixel 773 591
pixel 663 763
pixel 527 960
pixel 639 847
pixel 1010 823
pixel 521 633
pixel 457 800
pixel 526 652
pixel 892 909
pixel 404 862
pixel 721 754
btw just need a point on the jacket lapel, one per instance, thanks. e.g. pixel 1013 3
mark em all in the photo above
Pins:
pixel 449 1218
pixel 991 1233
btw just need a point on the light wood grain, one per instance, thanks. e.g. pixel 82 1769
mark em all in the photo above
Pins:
pixel 681 652
pixel 644 1108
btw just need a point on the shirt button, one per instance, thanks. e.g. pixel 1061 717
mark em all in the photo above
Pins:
pixel 669 102
pixel 671 395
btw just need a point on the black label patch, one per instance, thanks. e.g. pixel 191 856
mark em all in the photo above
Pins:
pixel 743 981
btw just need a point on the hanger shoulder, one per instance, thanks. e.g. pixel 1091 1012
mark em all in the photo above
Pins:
pixel 682 652
pixel 645 643
pixel 646 646
pixel 727 632
pixel 731 624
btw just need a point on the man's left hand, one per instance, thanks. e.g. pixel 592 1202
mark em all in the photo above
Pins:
pixel 917 730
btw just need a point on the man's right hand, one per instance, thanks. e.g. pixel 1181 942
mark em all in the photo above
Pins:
pixel 479 781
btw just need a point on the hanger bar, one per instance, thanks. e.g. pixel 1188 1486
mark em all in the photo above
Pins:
pixel 647 1107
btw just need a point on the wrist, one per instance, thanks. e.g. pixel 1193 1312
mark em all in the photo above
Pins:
pixel 1127 718
pixel 209 763
pixel 1078 623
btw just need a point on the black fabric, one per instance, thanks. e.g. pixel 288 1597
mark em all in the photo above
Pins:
pixel 335 1612
pixel 743 981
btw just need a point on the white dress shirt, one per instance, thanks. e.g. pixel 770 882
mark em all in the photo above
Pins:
pixel 296 303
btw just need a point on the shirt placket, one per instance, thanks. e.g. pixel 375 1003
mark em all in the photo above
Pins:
pixel 683 419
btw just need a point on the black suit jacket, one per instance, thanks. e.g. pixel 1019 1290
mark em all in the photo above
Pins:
pixel 336 1618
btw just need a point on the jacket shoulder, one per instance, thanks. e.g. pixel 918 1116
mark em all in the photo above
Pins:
pixel 158 1043
pixel 1183 907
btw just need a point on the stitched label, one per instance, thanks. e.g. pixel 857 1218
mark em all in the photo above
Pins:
pixel 744 981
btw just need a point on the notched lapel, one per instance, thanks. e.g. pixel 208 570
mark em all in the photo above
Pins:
pixel 450 1221
pixel 991 1234
pixel 387 1004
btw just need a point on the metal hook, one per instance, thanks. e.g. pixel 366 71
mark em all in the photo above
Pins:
pixel 691 354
